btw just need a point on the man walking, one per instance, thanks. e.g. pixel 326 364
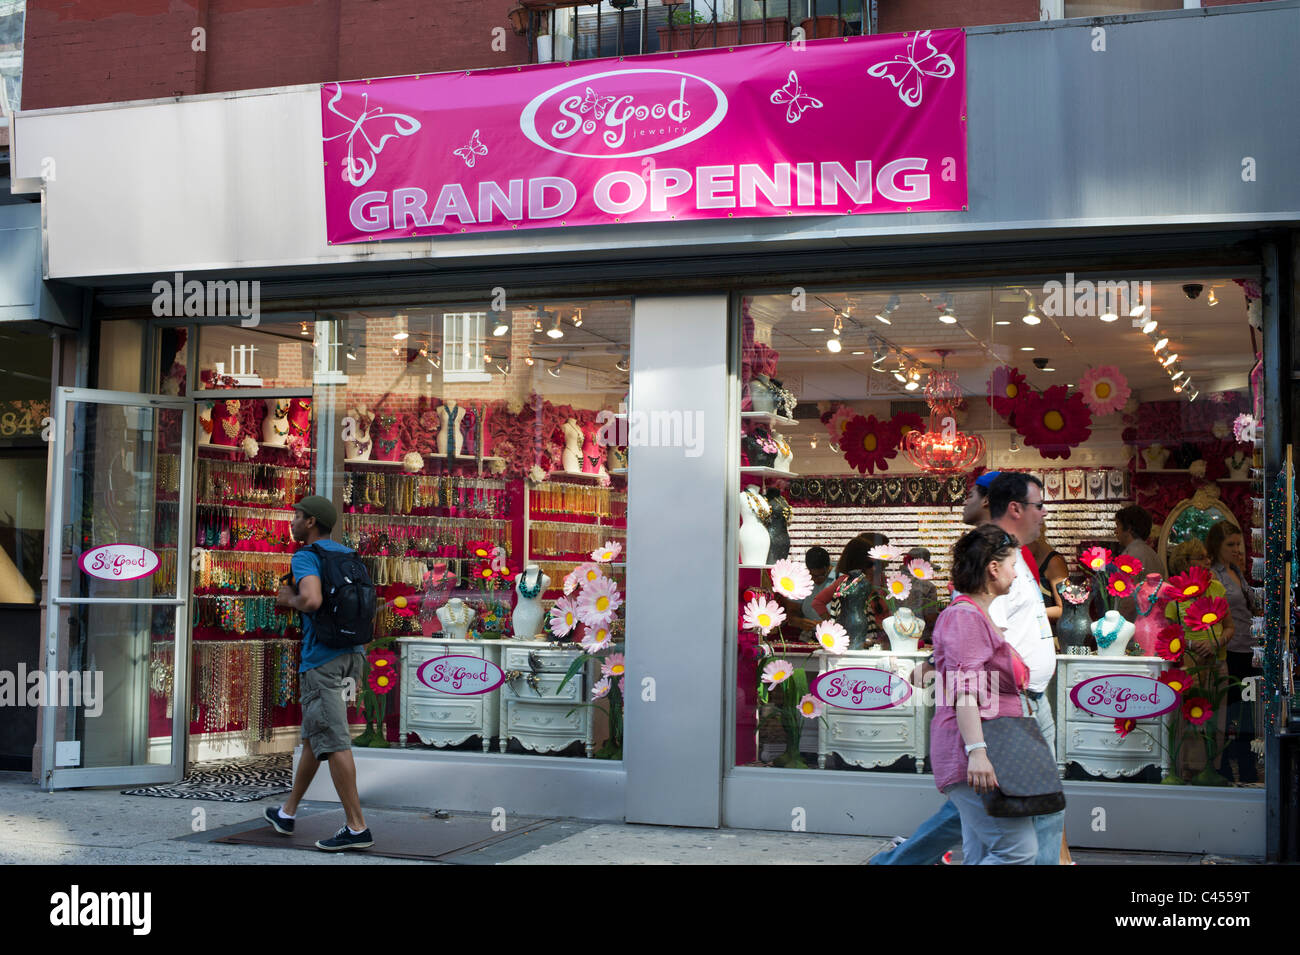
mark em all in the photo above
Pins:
pixel 327 677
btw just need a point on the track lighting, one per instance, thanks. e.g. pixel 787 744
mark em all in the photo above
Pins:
pixel 555 331
pixel 623 364
pixel 1110 313
pixel 1150 326
pixel 884 314
pixel 1031 317
pixel 501 327
pixel 554 370
pixel 397 336
pixel 1160 345
pixel 528 360
pixel 577 318
pixel 1172 357
pixel 1211 300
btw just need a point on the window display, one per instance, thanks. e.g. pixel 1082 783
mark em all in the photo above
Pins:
pixel 873 423
pixel 468 454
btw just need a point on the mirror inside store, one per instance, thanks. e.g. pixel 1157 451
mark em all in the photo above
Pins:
pixel 472 459
pixel 879 425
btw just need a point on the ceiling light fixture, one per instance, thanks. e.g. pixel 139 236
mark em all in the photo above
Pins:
pixel 401 336
pixel 554 370
pixel 1026 347
pixel 577 318
pixel 948 316
pixel 528 360
pixel 303 327
pixel 1176 375
pixel 1111 311
pixel 900 377
pixel 833 344
pixel 1031 316
pixel 890 308
pixel 1160 345
pixel 1150 326
pixel 1170 359
pixel 1136 308
pixel 1212 300
pixel 859 353
pixel 502 326
pixel 623 364
pixel 1002 321
pixel 555 331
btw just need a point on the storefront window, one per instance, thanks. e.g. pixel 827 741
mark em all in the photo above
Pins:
pixel 472 456
pixel 868 416
pixel 24 412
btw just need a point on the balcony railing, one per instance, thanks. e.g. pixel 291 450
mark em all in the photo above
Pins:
pixel 559 30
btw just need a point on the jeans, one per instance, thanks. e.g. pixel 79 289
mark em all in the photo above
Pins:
pixel 992 840
pixel 927 845
pixel 1050 828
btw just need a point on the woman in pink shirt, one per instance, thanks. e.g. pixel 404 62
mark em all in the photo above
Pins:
pixel 977 680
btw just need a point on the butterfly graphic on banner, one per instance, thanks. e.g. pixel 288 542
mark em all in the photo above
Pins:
pixel 473 150
pixel 906 70
pixel 795 99
pixel 367 134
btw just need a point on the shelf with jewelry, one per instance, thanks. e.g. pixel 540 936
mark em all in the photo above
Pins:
pixel 566 521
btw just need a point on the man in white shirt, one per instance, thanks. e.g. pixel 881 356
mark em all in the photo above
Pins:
pixel 1016 506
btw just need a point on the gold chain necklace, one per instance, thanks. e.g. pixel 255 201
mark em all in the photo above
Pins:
pixel 758 504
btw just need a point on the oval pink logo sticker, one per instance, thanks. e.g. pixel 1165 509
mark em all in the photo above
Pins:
pixel 623 113
pixel 460 675
pixel 119 562
pixel 861 688
pixel 1124 695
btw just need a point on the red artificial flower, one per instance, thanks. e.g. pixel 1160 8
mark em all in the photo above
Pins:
pixel 382 681
pixel 484 571
pixel 869 444
pixel 1054 422
pixel 904 423
pixel 1124 726
pixel 1007 389
pixel 1176 680
pixel 505 573
pixel 1206 613
pixel 1192 584
pixel 1171 642
pixel 1197 710
pixel 480 549
pixel 1128 565
pixel 382 660
pixel 401 599
pixel 1096 558
pixel 1119 585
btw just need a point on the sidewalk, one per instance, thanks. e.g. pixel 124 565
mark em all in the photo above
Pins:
pixel 103 827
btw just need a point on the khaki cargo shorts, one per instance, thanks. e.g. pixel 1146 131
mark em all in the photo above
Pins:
pixel 324 707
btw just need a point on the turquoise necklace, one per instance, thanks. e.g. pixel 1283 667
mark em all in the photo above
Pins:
pixel 1105 639
pixel 1155 599
pixel 528 593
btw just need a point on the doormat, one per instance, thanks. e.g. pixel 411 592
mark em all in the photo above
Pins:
pixel 465 838
pixel 229 780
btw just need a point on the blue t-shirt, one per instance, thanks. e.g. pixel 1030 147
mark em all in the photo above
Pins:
pixel 306 564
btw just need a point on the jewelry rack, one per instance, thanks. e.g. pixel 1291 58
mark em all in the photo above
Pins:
pixel 239 684
pixel 596 514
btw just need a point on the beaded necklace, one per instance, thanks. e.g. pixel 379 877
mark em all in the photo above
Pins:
pixel 458 616
pixel 762 510
pixel 916 626
pixel 529 593
pixel 1155 599
pixel 1105 638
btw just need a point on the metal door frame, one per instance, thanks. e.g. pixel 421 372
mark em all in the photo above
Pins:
pixel 68 777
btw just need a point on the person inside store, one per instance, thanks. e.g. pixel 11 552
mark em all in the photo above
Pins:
pixel 970 653
pixel 1205 649
pixel 801 616
pixel 1132 528
pixel 1016 505
pixel 856 560
pixel 975 511
pixel 325 676
pixel 923 600
pixel 1052 572
pixel 1227 555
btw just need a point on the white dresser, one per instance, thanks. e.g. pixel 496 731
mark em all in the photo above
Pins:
pixel 1091 741
pixel 877 737
pixel 536 716
pixel 441 719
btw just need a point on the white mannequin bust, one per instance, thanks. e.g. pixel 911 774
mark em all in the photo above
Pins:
pixel 784 453
pixel 455 616
pixel 530 584
pixel 572 456
pixel 755 513
pixel 275 426
pixel 204 434
pixel 451 416
pixel 903 629
pixel 1106 626
pixel 359 448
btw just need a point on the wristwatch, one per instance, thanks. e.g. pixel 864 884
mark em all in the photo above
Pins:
pixel 971 747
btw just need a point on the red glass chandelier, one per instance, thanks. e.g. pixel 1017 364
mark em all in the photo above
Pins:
pixel 943 449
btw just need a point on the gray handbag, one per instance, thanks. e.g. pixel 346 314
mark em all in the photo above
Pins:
pixel 1028 784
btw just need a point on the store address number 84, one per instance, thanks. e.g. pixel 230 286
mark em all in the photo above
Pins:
pixel 26 418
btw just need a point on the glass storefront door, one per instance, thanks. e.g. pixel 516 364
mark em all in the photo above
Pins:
pixel 114 692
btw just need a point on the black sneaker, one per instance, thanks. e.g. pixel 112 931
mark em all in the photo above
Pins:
pixel 343 839
pixel 281 825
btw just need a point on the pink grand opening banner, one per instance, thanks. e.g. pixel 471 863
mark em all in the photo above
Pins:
pixel 829 127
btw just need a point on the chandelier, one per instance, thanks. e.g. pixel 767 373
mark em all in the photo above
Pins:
pixel 942 449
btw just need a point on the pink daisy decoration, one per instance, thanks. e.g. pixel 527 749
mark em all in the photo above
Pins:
pixel 598 602
pixel 600 689
pixel 898 585
pixel 884 552
pixel 563 618
pixel 763 614
pixel 832 637
pixel 810 707
pixel 596 639
pixel 920 569
pixel 582 575
pixel 607 552
pixel 791 579
pixel 777 672
pixel 613 666
pixel 1105 390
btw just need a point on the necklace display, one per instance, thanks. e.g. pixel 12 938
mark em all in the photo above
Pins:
pixel 458 615
pixel 911 630
pixel 1106 637
pixel 759 505
pixel 527 592
pixel 1154 599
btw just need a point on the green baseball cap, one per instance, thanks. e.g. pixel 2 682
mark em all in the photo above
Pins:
pixel 321 508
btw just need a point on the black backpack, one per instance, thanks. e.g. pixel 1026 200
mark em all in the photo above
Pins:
pixel 346 617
